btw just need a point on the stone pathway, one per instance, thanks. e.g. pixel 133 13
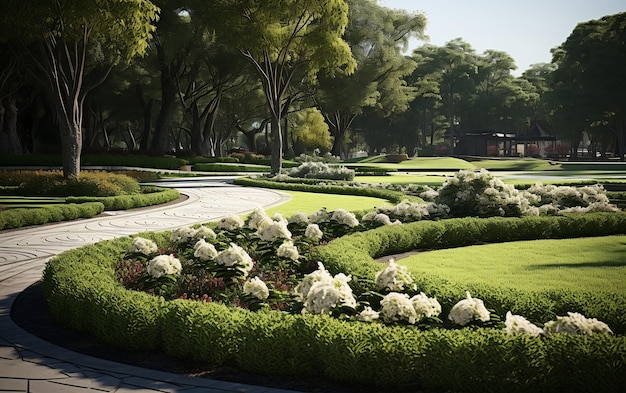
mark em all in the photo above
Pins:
pixel 29 364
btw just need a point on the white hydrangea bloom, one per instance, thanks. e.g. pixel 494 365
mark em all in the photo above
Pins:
pixel 279 218
pixel 319 216
pixel 257 288
pixel 344 217
pixel 397 307
pixel 144 246
pixel 230 223
pixel 258 217
pixel 183 234
pixel 235 255
pixel 368 315
pixel 425 307
pixel 393 277
pixel 575 323
pixel 288 250
pixel 302 289
pixel 270 230
pixel 467 310
pixel 429 194
pixel 313 231
pixel 380 218
pixel 204 251
pixel 162 265
pixel 204 232
pixel 516 324
pixel 299 218
pixel 326 294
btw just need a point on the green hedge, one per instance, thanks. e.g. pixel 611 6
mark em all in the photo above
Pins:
pixel 224 167
pixel 142 161
pixel 83 293
pixel 392 196
pixel 20 217
pixel 150 196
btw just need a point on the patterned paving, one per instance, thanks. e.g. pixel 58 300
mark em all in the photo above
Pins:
pixel 29 364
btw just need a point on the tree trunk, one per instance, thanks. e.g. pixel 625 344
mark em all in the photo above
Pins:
pixel 277 145
pixel 71 145
pixel 14 146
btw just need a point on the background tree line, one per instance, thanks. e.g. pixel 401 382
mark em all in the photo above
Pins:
pixel 282 78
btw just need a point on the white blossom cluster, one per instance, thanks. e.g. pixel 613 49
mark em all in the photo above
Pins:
pixel 399 307
pixel 320 292
pixel 235 256
pixel 468 310
pixel 186 234
pixel 407 211
pixel 393 277
pixel 144 246
pixel 575 323
pixel 343 217
pixel 313 231
pixel 163 265
pixel 517 324
pixel 298 218
pixel 204 251
pixel 230 223
pixel 257 288
pixel 270 230
pixel 288 250
pixel 378 219
pixel 320 170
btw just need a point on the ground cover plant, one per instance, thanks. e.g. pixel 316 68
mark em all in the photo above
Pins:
pixel 346 317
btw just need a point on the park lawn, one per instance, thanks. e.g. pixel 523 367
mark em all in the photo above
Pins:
pixel 14 201
pixel 310 202
pixel 527 164
pixel 429 180
pixel 588 264
pixel 417 164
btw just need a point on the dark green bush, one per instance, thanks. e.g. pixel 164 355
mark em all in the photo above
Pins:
pixel 219 167
pixel 19 217
pixel 150 196
pixel 109 160
pixel 52 183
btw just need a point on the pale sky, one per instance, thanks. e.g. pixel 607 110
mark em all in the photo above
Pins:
pixel 526 30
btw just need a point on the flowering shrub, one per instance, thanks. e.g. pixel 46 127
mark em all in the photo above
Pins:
pixel 257 288
pixel 321 293
pixel 516 324
pixel 143 246
pixel 163 265
pixel 230 223
pixel 394 277
pixel 320 170
pixel 468 310
pixel 204 251
pixel 397 307
pixel 575 323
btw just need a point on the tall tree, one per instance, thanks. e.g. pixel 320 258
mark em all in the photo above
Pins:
pixel 377 37
pixel 281 38
pixel 68 33
pixel 591 73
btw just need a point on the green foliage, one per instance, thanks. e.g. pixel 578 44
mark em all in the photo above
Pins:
pixel 227 167
pixel 111 160
pixel 87 184
pixel 19 217
pixel 150 196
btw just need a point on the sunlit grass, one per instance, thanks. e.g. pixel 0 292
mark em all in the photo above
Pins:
pixel 594 264
pixel 431 180
pixel 527 164
pixel 309 202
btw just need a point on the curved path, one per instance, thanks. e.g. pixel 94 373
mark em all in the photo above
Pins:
pixel 29 364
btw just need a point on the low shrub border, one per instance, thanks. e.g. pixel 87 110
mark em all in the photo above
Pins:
pixel 392 196
pixel 84 207
pixel 83 293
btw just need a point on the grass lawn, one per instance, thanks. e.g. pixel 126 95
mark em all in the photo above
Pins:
pixel 528 164
pixel 418 164
pixel 8 202
pixel 430 180
pixel 594 264
pixel 309 202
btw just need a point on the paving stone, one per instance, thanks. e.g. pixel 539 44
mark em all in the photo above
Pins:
pixel 26 370
pixel 13 385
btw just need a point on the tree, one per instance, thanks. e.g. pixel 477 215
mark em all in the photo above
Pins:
pixel 377 37
pixel 74 45
pixel 591 75
pixel 281 38
pixel 310 132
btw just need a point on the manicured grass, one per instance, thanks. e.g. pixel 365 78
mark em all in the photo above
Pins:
pixel 419 164
pixel 594 264
pixel 528 164
pixel 431 180
pixel 309 202
pixel 13 201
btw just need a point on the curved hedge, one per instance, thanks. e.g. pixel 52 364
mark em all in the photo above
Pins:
pixel 82 291
pixel 392 196
pixel 84 207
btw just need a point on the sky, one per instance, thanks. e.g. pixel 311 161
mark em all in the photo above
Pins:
pixel 526 30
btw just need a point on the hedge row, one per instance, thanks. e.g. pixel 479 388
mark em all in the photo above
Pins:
pixel 392 196
pixel 143 161
pixel 82 292
pixel 84 207
pixel 355 254
pixel 20 217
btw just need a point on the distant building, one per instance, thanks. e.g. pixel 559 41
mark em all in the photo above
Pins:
pixel 490 143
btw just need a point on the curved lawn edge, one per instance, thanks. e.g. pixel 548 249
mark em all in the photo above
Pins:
pixel 82 291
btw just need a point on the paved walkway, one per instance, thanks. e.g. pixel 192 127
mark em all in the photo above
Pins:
pixel 29 364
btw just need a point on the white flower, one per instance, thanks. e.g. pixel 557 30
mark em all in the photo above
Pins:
pixel 257 288
pixel 298 218
pixel 270 230
pixel 425 306
pixel 368 315
pixel 203 250
pixel 257 217
pixel 230 223
pixel 344 217
pixel 183 234
pixel 144 246
pixel 575 323
pixel 397 307
pixel 313 231
pixel 279 218
pixel 288 250
pixel 394 277
pixel 467 310
pixel 319 216
pixel 204 232
pixel 235 256
pixel 162 265
pixel 320 292
pixel 516 324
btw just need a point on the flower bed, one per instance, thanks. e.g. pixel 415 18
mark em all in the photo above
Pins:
pixel 349 319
